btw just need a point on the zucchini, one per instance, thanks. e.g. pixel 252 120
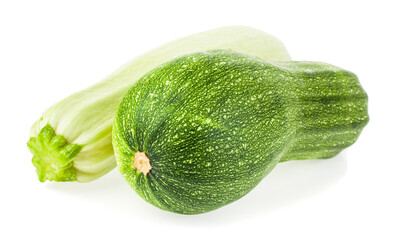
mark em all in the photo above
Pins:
pixel 72 139
pixel 203 130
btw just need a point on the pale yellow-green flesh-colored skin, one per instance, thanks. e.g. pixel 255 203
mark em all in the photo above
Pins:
pixel 85 118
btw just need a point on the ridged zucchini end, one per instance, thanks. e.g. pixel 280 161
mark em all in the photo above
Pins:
pixel 53 156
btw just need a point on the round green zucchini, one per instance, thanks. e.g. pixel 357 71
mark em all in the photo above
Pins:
pixel 203 130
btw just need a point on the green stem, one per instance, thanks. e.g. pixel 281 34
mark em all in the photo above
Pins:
pixel 53 156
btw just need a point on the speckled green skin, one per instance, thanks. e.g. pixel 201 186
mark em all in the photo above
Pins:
pixel 215 123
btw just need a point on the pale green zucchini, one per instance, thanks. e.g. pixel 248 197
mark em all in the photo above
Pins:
pixel 72 139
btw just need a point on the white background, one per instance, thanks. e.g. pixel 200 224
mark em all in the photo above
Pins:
pixel 50 49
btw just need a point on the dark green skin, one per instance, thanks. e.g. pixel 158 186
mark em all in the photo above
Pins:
pixel 214 124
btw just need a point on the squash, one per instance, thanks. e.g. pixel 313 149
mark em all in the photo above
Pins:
pixel 72 139
pixel 203 130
